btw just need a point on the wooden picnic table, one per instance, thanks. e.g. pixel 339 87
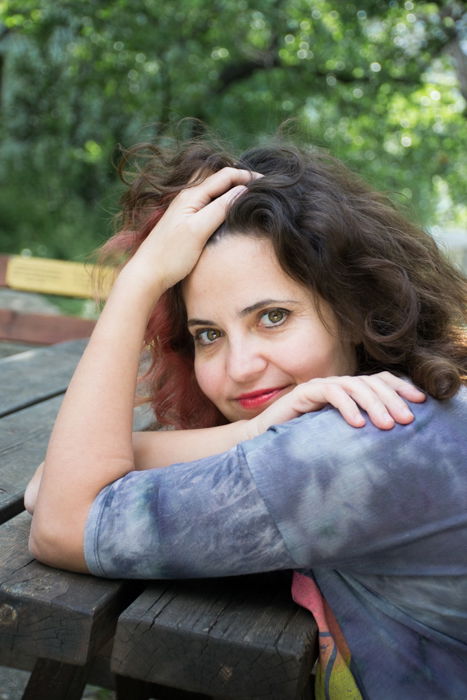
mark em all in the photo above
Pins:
pixel 239 638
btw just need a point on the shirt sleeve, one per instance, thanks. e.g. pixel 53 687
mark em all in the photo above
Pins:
pixel 310 492
pixel 366 500
pixel 196 519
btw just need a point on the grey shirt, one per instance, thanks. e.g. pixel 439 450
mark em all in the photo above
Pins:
pixel 377 518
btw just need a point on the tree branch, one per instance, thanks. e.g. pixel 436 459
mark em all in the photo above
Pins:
pixel 242 70
pixel 454 49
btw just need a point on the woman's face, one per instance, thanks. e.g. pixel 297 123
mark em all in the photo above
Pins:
pixel 256 331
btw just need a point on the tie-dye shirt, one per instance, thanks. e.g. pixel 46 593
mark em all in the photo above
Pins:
pixel 374 521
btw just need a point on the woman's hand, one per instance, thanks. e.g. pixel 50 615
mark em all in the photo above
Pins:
pixel 382 396
pixel 32 489
pixel 176 242
pixel 97 410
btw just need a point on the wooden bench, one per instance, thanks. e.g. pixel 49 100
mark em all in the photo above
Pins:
pixel 47 276
pixel 237 638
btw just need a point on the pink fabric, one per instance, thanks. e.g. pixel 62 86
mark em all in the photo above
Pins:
pixel 333 677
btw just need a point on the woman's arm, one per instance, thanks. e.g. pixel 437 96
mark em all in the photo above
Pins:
pixel 91 443
pixel 310 492
pixel 382 396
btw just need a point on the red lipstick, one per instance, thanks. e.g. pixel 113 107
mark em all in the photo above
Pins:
pixel 257 398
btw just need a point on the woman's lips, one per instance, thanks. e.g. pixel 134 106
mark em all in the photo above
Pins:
pixel 259 398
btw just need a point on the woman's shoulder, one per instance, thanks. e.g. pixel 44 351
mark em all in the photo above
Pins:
pixel 460 398
pixel 448 412
pixel 453 408
pixel 326 435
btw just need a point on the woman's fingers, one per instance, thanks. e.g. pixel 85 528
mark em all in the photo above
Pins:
pixel 403 386
pixel 392 393
pixel 336 395
pixel 210 217
pixel 197 198
pixel 172 249
pixel 381 403
pixel 211 198
pixel 32 489
pixel 377 395
pixel 217 184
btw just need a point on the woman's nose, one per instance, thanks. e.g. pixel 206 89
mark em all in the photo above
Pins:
pixel 245 361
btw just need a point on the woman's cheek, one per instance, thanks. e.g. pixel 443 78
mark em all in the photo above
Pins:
pixel 207 374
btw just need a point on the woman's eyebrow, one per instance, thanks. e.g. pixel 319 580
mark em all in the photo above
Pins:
pixel 244 312
pixel 265 302
pixel 199 322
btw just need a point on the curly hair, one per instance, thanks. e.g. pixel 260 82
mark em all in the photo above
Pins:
pixel 393 292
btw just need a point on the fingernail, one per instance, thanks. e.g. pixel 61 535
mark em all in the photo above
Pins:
pixel 237 191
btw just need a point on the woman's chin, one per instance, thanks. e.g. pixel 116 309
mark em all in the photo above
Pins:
pixel 235 413
pixel 247 409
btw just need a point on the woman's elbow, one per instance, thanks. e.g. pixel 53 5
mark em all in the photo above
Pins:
pixel 62 550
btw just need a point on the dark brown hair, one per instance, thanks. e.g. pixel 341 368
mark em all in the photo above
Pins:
pixel 392 290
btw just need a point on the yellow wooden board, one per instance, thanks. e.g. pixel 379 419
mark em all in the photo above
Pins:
pixel 48 276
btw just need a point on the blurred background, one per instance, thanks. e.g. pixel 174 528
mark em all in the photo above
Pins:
pixel 382 85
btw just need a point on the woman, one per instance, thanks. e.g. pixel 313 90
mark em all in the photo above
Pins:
pixel 270 289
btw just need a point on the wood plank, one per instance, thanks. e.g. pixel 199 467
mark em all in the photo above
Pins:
pixel 14 348
pixel 126 688
pixel 55 276
pixel 36 375
pixel 99 667
pixel 43 329
pixel 63 616
pixel 239 639
pixel 3 266
pixel 55 681
pixel 23 441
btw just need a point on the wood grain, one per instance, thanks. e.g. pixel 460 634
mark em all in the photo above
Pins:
pixel 36 375
pixel 3 267
pixel 43 329
pixel 33 384
pixel 23 442
pixel 55 614
pixel 56 681
pixel 239 639
pixel 49 276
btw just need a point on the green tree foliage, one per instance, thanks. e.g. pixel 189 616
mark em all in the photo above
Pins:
pixel 383 85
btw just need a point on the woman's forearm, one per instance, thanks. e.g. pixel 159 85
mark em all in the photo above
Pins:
pixel 154 449
pixel 91 443
pixel 382 396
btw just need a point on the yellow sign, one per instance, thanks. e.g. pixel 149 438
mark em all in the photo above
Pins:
pixel 58 277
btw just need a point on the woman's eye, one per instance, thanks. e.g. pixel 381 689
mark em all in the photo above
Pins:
pixel 207 336
pixel 274 317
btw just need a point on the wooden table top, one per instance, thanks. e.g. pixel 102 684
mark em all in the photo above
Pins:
pixel 221 637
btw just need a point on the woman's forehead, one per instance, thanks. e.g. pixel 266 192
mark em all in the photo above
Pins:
pixel 238 271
